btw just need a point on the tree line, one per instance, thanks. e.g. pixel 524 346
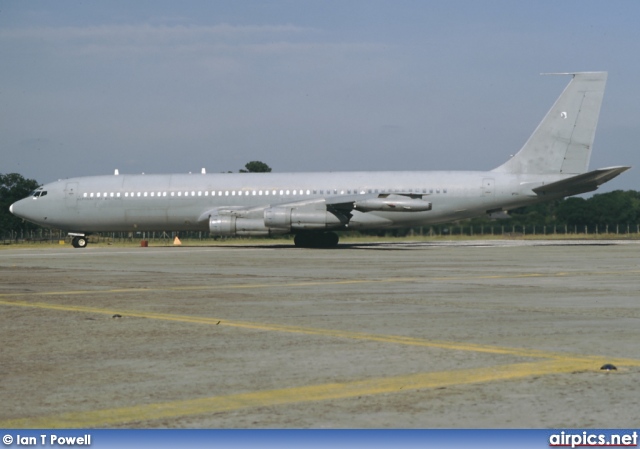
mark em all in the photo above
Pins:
pixel 602 209
pixel 612 208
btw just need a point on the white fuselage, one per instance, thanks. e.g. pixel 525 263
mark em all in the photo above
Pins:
pixel 183 202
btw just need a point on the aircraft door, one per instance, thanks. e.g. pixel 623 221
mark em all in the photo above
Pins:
pixel 71 194
pixel 487 186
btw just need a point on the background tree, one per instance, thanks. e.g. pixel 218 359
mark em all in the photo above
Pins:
pixel 541 214
pixel 14 187
pixel 617 207
pixel 255 167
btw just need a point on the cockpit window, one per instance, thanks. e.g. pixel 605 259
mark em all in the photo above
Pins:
pixel 38 193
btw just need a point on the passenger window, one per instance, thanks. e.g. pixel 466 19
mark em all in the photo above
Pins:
pixel 84 194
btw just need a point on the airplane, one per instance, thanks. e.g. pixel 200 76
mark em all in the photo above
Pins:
pixel 552 164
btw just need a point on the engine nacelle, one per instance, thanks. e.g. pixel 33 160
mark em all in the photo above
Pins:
pixel 231 225
pixel 393 203
pixel 222 224
pixel 292 218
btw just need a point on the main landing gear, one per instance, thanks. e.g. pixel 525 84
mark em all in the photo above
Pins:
pixel 79 242
pixel 316 240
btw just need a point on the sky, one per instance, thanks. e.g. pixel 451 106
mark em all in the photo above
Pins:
pixel 161 86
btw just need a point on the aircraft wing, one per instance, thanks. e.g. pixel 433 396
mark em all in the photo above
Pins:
pixel 586 182
pixel 340 206
pixel 389 202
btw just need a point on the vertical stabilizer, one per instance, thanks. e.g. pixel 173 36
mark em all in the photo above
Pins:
pixel 562 142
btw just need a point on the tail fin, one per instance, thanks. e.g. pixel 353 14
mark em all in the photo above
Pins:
pixel 562 142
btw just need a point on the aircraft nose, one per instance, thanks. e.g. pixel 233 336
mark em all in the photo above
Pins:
pixel 17 209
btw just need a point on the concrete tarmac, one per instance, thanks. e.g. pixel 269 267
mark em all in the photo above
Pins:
pixel 479 334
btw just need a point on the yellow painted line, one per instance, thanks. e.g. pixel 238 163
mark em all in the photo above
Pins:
pixel 332 333
pixel 311 283
pixel 307 284
pixel 312 393
pixel 207 287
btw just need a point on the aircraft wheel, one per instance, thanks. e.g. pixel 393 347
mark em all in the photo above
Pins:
pixel 301 240
pixel 331 239
pixel 79 242
pixel 316 240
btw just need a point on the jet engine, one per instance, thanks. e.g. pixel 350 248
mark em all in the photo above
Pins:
pixel 293 218
pixel 228 224
pixel 392 203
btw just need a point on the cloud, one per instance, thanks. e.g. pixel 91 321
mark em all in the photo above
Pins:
pixel 158 33
pixel 221 47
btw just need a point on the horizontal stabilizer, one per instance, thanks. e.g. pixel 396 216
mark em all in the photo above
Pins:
pixel 586 182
